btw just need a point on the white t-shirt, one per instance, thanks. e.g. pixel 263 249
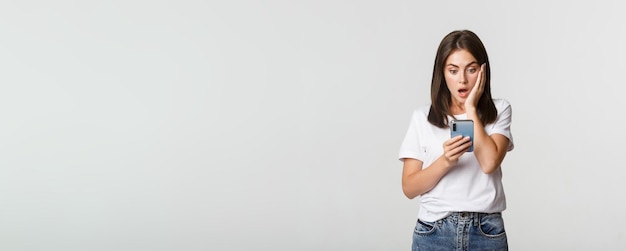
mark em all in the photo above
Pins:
pixel 465 187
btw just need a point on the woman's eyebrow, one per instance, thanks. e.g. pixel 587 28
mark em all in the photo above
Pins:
pixel 471 63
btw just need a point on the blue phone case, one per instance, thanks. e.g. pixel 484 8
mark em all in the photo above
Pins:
pixel 463 127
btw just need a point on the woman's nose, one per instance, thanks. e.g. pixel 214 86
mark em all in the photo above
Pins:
pixel 462 78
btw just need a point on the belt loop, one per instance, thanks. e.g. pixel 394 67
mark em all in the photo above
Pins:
pixel 476 219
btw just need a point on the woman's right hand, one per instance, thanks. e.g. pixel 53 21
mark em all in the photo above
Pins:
pixel 455 147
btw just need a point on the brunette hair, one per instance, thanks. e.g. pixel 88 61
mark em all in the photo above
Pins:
pixel 440 94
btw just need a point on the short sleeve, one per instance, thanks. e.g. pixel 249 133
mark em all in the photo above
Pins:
pixel 503 122
pixel 411 147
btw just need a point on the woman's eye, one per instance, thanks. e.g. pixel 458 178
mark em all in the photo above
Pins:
pixel 453 71
pixel 471 70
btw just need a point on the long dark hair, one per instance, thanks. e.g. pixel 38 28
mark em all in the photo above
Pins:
pixel 440 94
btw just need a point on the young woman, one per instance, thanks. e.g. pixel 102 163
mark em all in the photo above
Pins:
pixel 460 192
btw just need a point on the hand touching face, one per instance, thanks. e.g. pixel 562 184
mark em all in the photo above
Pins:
pixel 477 90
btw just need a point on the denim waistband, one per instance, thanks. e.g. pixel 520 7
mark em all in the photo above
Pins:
pixel 466 216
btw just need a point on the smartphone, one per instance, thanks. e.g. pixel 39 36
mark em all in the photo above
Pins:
pixel 463 127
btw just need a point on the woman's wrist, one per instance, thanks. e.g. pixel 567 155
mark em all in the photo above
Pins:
pixel 471 112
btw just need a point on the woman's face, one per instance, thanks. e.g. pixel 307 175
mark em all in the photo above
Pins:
pixel 460 71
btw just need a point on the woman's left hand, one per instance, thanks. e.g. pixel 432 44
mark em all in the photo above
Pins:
pixel 477 90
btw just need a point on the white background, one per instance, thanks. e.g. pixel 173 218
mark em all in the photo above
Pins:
pixel 275 125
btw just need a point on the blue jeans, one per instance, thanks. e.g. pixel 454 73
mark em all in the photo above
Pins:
pixel 461 231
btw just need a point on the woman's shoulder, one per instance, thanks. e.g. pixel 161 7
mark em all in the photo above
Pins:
pixel 501 103
pixel 420 113
pixel 422 110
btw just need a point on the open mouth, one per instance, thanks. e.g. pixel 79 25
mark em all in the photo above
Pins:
pixel 463 93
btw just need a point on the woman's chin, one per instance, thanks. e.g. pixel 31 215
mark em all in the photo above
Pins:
pixel 459 101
